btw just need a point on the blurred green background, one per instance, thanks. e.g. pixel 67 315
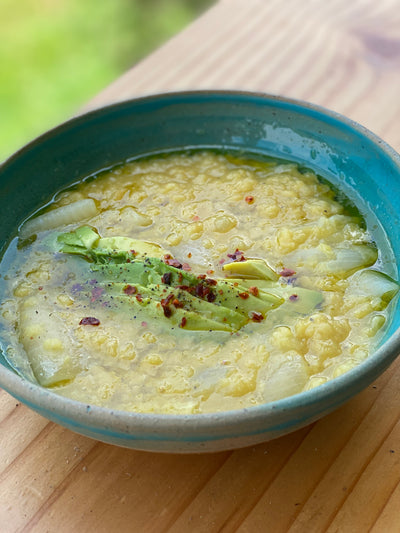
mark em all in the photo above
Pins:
pixel 56 54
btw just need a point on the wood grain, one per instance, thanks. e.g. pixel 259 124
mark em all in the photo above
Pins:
pixel 341 474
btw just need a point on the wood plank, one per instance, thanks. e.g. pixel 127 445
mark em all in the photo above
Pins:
pixel 229 498
pixel 388 520
pixel 24 425
pixel 340 479
pixel 290 493
pixel 26 484
pixel 375 486
pixel 8 404
pixel 120 487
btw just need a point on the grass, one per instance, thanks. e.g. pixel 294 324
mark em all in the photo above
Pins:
pixel 57 54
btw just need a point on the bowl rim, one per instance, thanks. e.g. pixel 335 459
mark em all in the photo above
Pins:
pixel 195 425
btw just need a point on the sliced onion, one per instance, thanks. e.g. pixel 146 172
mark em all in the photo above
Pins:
pixel 374 284
pixel 349 259
pixel 61 216
pixel 285 378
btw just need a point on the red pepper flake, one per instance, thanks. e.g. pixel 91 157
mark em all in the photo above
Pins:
pixel 40 288
pixel 196 218
pixel 176 303
pixel 256 317
pixel 211 297
pixel 293 297
pixel 167 278
pixel 210 272
pixel 183 322
pixel 244 295
pixel 202 290
pixel 222 261
pixel 89 321
pixel 167 311
pixel 168 299
pixel 201 276
pixel 237 255
pixel 139 298
pixel 287 272
pixel 189 255
pixel 165 305
pixel 169 260
pixel 211 281
pixel 144 324
pixel 254 291
pixel 186 267
pixel 130 289
pixel 249 199
pixel 187 288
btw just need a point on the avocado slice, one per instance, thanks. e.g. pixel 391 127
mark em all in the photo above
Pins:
pixel 126 244
pixel 202 303
pixel 87 242
pixel 174 306
pixel 250 268
pixel 299 299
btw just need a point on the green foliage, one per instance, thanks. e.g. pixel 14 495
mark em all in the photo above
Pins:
pixel 57 54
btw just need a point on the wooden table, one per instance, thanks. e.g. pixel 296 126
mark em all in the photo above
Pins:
pixel 341 474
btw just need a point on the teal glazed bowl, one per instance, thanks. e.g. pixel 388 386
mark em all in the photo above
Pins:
pixel 348 155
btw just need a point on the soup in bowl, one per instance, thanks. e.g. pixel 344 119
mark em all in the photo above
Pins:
pixel 198 271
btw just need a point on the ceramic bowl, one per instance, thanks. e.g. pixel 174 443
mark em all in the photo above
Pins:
pixel 351 157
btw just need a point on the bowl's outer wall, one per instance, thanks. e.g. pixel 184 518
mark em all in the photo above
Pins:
pixel 188 434
pixel 361 165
